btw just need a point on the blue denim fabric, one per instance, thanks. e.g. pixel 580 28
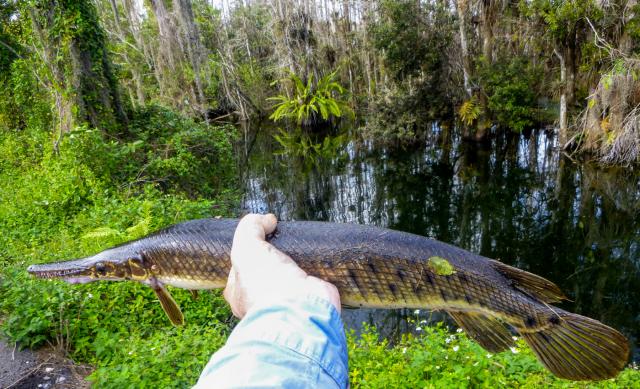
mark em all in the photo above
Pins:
pixel 296 344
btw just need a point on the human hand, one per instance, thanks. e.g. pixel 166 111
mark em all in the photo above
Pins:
pixel 262 273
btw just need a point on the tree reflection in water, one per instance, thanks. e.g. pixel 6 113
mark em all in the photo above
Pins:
pixel 515 198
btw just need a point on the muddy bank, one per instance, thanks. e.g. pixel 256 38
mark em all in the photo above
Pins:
pixel 42 369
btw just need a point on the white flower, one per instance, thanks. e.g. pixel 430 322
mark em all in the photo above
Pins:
pixel 130 352
pixel 514 338
pixel 514 350
pixel 416 312
pixel 404 350
pixel 447 341
pixel 456 348
pixel 418 328
pixel 489 355
pixel 459 330
pixel 90 295
pixel 423 322
pixel 438 367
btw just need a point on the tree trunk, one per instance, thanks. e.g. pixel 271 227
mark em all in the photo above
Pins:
pixel 192 43
pixel 466 63
pixel 562 135
pixel 488 19
pixel 85 75
pixel 167 33
pixel 46 46
pixel 570 61
pixel 135 70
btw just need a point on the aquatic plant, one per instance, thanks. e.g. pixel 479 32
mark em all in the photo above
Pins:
pixel 311 103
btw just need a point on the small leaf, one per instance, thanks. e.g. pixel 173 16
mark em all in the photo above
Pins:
pixel 440 266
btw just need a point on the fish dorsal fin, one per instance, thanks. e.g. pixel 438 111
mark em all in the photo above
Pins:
pixel 169 305
pixel 489 332
pixel 530 283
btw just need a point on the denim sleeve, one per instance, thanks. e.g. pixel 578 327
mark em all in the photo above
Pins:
pixel 299 343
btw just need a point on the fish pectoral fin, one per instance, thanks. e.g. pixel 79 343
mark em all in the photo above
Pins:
pixel 530 283
pixel 489 332
pixel 169 305
pixel 578 348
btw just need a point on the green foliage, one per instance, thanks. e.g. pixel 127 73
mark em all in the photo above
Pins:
pixel 563 18
pixel 300 144
pixel 470 110
pixel 437 358
pixel 173 358
pixel 311 102
pixel 169 154
pixel 169 150
pixel 511 92
pixel 633 26
pixel 413 36
pixel 69 205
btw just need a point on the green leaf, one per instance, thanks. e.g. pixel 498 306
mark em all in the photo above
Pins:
pixel 440 266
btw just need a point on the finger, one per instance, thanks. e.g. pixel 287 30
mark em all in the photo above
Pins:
pixel 248 240
pixel 254 227
pixel 249 229
pixel 269 223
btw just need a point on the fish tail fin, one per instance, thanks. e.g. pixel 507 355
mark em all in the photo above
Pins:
pixel 578 348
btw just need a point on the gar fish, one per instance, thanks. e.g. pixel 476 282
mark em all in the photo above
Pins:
pixel 380 268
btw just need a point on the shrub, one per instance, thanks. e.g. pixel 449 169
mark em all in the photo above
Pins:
pixel 510 88
pixel 167 149
pixel 438 358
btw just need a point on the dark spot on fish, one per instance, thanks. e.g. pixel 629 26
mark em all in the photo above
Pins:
pixel 354 278
pixel 393 288
pixel 468 298
pixel 444 294
pixel 462 277
pixel 401 274
pixel 428 278
pixel 530 321
pixel 554 320
pixel 545 337
pixel 372 267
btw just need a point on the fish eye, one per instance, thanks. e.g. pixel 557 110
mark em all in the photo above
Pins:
pixel 101 268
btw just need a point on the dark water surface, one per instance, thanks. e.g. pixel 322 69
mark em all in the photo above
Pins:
pixel 516 199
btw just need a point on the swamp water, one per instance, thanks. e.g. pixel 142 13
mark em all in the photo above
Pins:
pixel 517 199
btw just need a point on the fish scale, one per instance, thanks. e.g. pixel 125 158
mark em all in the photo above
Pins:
pixel 378 268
